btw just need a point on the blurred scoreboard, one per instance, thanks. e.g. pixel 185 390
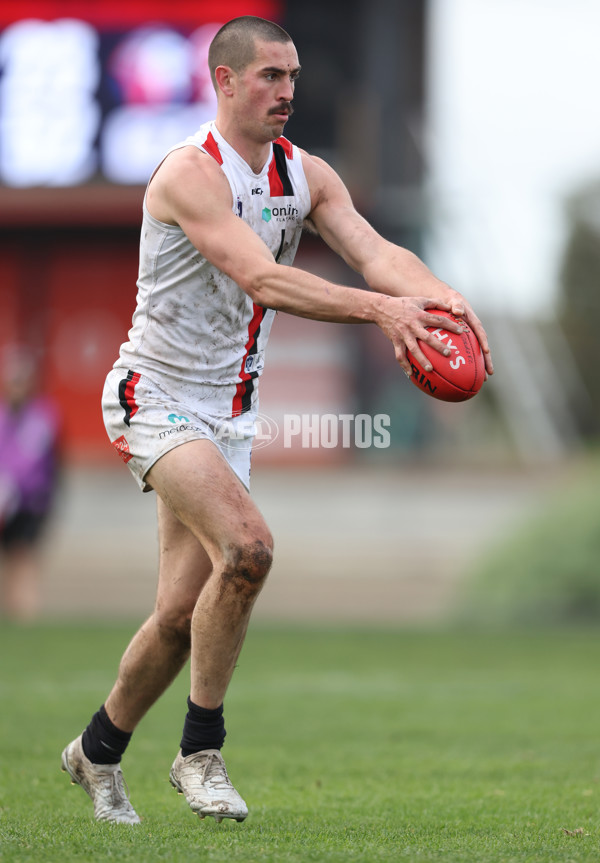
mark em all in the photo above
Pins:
pixel 99 90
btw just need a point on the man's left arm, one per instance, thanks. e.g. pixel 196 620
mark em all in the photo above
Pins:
pixel 385 267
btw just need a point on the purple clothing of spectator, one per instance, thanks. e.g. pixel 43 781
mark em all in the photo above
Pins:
pixel 28 456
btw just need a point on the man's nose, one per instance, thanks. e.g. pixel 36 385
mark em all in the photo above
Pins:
pixel 286 91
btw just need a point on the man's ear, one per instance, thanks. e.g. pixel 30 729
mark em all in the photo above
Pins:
pixel 225 78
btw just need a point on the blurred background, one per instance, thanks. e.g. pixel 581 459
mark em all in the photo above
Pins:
pixel 467 131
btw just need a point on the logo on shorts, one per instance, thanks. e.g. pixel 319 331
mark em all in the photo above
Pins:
pixel 122 448
pixel 180 424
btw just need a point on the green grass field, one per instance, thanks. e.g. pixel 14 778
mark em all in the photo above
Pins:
pixel 347 745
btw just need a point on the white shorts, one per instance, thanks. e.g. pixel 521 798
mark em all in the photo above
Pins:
pixel 143 423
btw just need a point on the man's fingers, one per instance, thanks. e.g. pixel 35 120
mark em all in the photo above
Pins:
pixel 444 323
pixel 417 353
pixel 403 359
pixel 436 304
pixel 479 331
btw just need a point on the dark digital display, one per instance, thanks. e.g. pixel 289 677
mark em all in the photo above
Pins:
pixel 100 91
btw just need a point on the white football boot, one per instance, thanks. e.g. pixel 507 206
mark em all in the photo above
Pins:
pixel 103 782
pixel 202 778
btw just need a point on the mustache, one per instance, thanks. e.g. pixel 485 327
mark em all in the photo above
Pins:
pixel 286 107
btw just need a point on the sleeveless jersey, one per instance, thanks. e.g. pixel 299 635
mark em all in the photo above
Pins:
pixel 194 331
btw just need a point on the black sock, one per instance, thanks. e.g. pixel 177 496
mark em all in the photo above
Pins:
pixel 202 729
pixel 103 742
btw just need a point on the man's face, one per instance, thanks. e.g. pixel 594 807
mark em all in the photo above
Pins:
pixel 266 89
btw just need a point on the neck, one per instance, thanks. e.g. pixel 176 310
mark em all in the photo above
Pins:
pixel 254 153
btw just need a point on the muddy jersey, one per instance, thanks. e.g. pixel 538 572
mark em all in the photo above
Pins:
pixel 194 331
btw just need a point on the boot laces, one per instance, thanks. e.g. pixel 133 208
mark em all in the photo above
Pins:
pixel 214 772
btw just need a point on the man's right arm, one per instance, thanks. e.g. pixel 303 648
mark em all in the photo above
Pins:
pixel 191 191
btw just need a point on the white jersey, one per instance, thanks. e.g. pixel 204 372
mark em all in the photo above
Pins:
pixel 194 331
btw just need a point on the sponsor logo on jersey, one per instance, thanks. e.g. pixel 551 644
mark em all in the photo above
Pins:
pixel 173 418
pixel 286 212
pixel 254 362
pixel 122 447
pixel 186 426
pixel 257 191
pixel 280 214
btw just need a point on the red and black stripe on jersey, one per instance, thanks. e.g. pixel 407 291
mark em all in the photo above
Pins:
pixel 242 400
pixel 212 148
pixel 127 395
pixel 279 181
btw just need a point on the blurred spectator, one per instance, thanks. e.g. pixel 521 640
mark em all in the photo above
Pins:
pixel 29 426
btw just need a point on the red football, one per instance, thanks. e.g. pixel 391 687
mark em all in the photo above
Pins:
pixel 455 378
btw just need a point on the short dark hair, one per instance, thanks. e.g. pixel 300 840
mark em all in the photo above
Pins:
pixel 234 44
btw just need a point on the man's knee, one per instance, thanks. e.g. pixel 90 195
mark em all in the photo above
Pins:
pixel 247 564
